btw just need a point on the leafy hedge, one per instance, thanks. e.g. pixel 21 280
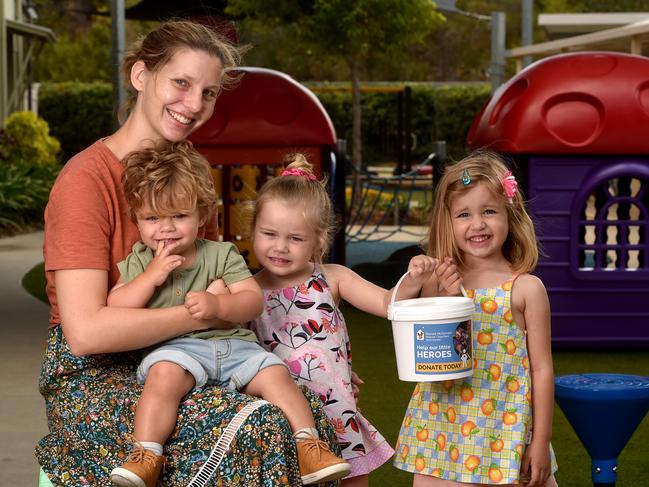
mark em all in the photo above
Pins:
pixel 24 191
pixel 28 167
pixel 80 113
pixel 437 113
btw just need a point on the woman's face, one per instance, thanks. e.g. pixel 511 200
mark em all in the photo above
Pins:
pixel 179 97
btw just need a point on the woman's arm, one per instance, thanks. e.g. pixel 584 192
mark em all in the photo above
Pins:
pixel 137 292
pixel 531 299
pixel 369 297
pixel 90 327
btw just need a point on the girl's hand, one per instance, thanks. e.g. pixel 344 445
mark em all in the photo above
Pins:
pixel 421 268
pixel 163 263
pixel 536 464
pixel 201 305
pixel 357 382
pixel 449 277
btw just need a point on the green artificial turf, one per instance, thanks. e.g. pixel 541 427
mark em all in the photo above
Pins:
pixel 384 399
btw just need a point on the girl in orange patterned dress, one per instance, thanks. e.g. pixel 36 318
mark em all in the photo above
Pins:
pixel 490 428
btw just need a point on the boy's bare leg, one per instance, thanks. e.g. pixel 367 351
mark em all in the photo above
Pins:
pixel 157 410
pixel 275 385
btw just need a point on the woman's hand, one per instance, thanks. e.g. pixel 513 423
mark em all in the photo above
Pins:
pixel 448 277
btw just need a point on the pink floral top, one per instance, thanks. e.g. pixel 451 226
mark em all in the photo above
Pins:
pixel 304 326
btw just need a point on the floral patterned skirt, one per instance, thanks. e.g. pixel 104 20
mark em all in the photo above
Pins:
pixel 90 404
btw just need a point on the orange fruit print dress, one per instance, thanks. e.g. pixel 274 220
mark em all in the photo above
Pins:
pixel 475 429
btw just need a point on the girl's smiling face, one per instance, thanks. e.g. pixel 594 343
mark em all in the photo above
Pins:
pixel 284 242
pixel 179 97
pixel 480 223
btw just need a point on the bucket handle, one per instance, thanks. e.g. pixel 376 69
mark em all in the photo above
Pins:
pixel 396 288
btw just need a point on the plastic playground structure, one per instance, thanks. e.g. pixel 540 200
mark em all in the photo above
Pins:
pixel 380 206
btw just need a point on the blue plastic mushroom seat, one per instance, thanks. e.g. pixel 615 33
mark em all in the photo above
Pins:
pixel 604 410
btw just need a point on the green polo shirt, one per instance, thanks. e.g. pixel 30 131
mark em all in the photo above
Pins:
pixel 214 260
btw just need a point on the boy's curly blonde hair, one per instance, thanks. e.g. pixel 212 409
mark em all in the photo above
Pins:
pixel 168 177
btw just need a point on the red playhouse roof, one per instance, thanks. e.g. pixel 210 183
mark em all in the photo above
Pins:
pixel 578 103
pixel 267 108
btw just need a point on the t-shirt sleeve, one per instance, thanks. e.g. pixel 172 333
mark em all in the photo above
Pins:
pixel 132 266
pixel 234 268
pixel 78 223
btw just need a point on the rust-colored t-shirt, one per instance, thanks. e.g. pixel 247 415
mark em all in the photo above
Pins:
pixel 86 219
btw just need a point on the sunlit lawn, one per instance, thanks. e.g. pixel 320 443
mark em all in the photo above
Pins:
pixel 384 399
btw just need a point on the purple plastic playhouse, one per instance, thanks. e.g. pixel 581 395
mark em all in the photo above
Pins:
pixel 577 126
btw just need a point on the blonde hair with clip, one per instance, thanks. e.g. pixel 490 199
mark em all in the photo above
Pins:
pixel 169 177
pixel 520 247
pixel 304 193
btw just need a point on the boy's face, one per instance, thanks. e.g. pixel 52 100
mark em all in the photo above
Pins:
pixel 179 229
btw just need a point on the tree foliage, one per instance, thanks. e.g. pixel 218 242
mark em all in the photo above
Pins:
pixel 588 6
pixel 76 57
pixel 351 31
pixel 82 48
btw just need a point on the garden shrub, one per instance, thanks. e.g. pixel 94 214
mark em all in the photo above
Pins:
pixel 28 168
pixel 24 191
pixel 78 113
pixel 27 140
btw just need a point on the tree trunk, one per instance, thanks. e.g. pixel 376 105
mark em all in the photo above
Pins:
pixel 357 147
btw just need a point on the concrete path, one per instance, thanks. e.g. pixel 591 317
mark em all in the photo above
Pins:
pixel 23 328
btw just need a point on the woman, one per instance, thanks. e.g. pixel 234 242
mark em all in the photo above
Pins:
pixel 175 74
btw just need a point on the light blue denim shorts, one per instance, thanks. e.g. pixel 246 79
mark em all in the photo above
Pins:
pixel 228 362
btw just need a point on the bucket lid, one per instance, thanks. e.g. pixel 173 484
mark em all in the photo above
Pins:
pixel 446 307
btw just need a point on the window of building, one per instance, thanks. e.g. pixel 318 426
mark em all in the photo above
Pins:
pixel 613 229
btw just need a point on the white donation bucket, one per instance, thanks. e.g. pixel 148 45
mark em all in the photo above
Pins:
pixel 432 337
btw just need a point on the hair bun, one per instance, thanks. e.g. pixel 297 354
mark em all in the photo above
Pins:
pixel 299 161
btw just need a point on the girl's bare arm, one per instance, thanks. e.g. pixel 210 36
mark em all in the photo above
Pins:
pixel 369 297
pixel 532 300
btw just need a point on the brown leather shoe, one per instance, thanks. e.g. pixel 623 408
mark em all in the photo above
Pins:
pixel 318 463
pixel 142 468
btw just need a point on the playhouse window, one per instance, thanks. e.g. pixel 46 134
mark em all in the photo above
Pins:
pixel 613 227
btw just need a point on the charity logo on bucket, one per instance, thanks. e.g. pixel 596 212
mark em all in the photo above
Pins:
pixel 442 348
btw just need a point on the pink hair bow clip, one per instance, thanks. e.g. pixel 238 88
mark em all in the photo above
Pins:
pixel 299 173
pixel 510 186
